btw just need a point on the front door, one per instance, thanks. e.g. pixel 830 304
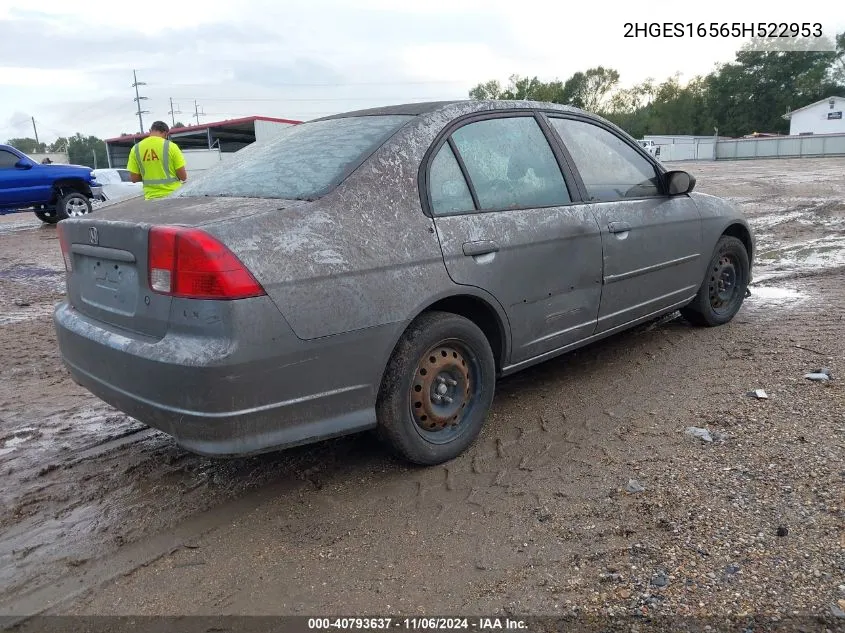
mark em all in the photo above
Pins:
pixel 652 242
pixel 12 180
pixel 507 224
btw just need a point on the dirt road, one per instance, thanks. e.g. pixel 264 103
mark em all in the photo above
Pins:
pixel 104 516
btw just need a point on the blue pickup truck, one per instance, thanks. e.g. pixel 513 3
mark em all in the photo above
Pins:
pixel 53 192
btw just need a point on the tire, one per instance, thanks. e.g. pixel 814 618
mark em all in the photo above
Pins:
pixel 72 205
pixel 48 217
pixel 414 417
pixel 723 289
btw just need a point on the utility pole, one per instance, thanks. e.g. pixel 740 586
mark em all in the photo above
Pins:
pixel 197 112
pixel 173 112
pixel 94 154
pixel 35 129
pixel 138 99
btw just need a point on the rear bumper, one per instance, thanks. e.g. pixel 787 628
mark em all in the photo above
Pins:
pixel 257 390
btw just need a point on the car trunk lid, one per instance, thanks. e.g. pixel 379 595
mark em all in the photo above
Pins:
pixel 107 256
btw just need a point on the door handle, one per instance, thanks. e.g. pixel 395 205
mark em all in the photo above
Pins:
pixel 618 227
pixel 481 247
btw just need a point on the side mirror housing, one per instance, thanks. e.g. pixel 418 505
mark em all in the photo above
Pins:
pixel 679 182
pixel 23 164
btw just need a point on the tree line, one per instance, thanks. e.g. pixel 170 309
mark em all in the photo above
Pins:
pixel 750 94
pixel 81 150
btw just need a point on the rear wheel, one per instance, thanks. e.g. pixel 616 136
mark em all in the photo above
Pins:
pixel 437 389
pixel 72 205
pixel 723 290
pixel 47 216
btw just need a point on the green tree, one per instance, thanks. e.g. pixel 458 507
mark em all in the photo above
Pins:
pixel 179 124
pixel 750 94
pixel 586 89
pixel 27 145
pixel 82 149
pixel 589 90
pixel 753 93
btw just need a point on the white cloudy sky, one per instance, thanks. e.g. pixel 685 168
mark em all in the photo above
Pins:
pixel 68 63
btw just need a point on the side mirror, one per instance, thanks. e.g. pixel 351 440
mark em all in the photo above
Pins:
pixel 679 182
pixel 23 164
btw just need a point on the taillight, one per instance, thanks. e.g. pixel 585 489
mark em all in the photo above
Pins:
pixel 64 243
pixel 192 264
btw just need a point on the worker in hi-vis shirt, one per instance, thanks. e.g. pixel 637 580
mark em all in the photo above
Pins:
pixel 158 163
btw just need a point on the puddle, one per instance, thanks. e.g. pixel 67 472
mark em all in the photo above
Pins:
pixel 48 278
pixel 16 226
pixel 806 257
pixel 27 314
pixel 11 442
pixel 775 294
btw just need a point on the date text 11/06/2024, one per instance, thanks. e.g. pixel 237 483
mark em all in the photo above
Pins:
pixel 417 624
pixel 723 29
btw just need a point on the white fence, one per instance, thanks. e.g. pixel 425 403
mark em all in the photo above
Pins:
pixel 697 150
pixel 751 148
pixel 782 147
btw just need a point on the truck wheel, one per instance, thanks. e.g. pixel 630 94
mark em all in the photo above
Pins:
pixel 437 389
pixel 48 217
pixel 72 205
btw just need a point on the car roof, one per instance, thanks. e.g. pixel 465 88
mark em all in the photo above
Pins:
pixel 417 109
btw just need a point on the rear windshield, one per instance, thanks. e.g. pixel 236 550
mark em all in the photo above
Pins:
pixel 302 162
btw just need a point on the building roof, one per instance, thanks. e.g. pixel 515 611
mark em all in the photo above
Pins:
pixel 204 126
pixel 788 115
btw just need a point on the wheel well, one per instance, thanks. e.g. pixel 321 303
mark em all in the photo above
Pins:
pixel 741 233
pixel 483 315
pixel 62 187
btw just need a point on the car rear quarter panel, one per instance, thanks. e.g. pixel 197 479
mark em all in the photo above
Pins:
pixel 365 255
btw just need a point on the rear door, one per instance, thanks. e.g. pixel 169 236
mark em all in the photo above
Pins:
pixel 652 242
pixel 500 200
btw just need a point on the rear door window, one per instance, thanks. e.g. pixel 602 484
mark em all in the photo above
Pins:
pixel 510 164
pixel 449 191
pixel 610 168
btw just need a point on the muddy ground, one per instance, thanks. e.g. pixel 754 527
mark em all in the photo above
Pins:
pixel 104 516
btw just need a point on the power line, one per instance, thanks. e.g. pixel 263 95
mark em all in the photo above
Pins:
pixel 334 99
pixel 173 112
pixel 138 99
pixel 365 83
pixel 197 112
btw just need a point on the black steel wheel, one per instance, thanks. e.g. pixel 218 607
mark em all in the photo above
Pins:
pixel 437 389
pixel 723 290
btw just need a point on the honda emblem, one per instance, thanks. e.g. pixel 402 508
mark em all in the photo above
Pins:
pixel 93 236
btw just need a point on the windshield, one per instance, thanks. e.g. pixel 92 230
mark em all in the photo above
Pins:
pixel 302 162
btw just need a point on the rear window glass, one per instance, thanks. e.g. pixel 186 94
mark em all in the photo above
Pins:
pixel 302 162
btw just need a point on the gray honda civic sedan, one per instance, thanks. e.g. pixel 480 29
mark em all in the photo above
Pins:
pixel 380 269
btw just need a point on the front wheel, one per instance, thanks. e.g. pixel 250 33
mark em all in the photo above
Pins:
pixel 437 389
pixel 72 205
pixel 723 290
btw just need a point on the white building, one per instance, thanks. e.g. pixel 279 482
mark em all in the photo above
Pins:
pixel 821 117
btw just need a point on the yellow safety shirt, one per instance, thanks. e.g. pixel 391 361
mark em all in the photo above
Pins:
pixel 156 159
